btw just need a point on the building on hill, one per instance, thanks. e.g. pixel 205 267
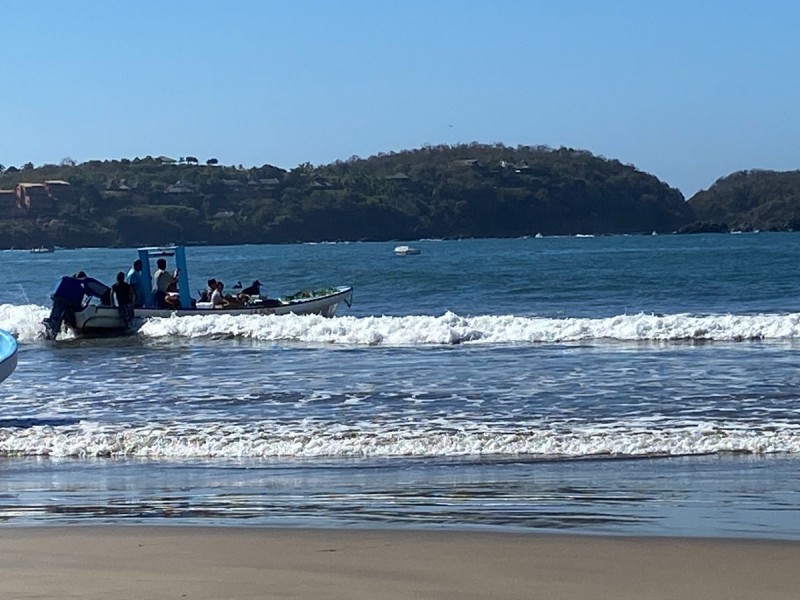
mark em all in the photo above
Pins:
pixel 60 190
pixel 181 187
pixel 42 198
pixel 9 205
pixel 34 197
pixel 402 177
pixel 466 162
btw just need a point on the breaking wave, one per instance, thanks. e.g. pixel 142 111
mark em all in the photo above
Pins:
pixel 447 329
pixel 305 439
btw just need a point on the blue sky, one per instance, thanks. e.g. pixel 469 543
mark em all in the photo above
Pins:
pixel 689 91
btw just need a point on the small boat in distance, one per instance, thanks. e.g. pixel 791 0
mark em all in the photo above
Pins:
pixel 43 250
pixel 405 250
pixel 103 319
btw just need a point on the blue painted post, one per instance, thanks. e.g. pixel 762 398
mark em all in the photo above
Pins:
pixel 183 277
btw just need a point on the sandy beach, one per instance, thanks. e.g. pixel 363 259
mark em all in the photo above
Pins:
pixel 197 562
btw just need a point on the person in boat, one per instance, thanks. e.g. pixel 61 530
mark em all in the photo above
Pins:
pixel 123 296
pixel 163 282
pixel 254 289
pixel 243 298
pixel 173 300
pixel 135 279
pixel 217 299
pixel 205 295
pixel 69 296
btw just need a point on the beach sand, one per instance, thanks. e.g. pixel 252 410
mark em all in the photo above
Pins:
pixel 117 563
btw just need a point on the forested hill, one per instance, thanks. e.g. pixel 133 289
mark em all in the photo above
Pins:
pixel 443 191
pixel 748 200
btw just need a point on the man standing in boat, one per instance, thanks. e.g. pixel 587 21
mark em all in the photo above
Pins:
pixel 162 281
pixel 122 294
pixel 136 280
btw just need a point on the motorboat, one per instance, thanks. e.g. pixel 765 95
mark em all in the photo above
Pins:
pixel 101 318
pixel 43 250
pixel 405 250
pixel 8 354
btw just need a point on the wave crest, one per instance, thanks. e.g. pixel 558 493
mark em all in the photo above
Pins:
pixel 447 329
pixel 273 440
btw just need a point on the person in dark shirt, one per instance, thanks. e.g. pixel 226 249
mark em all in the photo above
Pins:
pixel 205 295
pixel 68 298
pixel 122 294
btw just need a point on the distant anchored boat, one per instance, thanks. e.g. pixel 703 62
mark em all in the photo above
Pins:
pixel 43 250
pixel 405 250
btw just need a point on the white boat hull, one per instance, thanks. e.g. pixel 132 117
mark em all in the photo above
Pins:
pixel 97 319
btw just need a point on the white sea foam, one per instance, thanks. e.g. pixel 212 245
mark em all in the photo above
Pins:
pixel 447 329
pixel 24 322
pixel 313 440
pixel 451 329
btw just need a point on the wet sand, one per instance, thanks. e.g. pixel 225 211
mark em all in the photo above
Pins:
pixel 215 563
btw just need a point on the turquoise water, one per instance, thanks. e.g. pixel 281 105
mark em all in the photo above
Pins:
pixel 626 385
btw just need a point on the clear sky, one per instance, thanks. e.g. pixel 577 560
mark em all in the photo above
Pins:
pixel 689 90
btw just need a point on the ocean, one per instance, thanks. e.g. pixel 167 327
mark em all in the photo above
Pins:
pixel 624 385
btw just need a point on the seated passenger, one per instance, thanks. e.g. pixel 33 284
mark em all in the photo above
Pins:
pixel 217 299
pixel 254 289
pixel 163 282
pixel 172 300
pixel 205 295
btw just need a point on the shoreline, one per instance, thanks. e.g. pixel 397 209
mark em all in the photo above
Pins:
pixel 144 561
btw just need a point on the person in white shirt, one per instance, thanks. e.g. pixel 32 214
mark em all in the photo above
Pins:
pixel 217 299
pixel 162 281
